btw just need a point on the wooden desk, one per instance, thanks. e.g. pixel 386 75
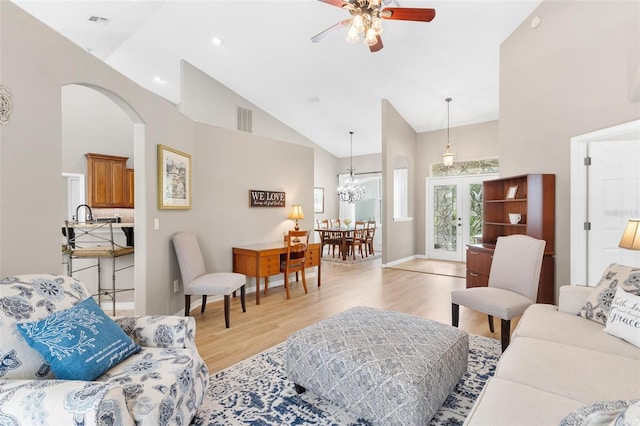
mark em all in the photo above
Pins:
pixel 262 260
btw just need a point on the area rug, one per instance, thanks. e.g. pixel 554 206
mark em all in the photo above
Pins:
pixel 432 266
pixel 350 260
pixel 256 392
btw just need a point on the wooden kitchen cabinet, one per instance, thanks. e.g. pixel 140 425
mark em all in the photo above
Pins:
pixel 129 189
pixel 534 200
pixel 107 181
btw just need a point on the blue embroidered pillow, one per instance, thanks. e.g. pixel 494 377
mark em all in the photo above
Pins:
pixel 79 343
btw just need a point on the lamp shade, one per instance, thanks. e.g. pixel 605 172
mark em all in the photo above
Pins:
pixel 631 236
pixel 296 212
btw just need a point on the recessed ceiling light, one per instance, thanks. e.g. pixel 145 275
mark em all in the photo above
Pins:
pixel 159 80
pixel 217 41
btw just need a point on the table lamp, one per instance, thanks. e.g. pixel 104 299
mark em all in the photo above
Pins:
pixel 296 214
pixel 631 236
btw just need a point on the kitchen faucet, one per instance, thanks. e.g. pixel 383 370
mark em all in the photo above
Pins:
pixel 87 217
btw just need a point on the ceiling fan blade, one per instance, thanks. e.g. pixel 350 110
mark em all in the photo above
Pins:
pixel 336 3
pixel 378 46
pixel 316 38
pixel 408 14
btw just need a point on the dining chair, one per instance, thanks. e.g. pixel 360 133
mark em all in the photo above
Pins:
pixel 369 236
pixel 196 280
pixel 513 283
pixel 297 243
pixel 322 227
pixel 358 239
pixel 335 223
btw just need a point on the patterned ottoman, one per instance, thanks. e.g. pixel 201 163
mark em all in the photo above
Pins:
pixel 386 367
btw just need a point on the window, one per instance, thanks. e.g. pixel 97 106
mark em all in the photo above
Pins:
pixel 401 194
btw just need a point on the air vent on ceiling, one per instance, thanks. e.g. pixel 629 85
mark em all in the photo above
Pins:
pixel 98 20
pixel 244 119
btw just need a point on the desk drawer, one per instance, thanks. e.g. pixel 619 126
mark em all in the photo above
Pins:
pixel 313 256
pixel 269 265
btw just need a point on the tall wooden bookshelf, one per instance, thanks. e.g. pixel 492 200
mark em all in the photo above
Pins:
pixel 533 197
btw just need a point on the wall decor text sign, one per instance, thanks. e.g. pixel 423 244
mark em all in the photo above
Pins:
pixel 266 198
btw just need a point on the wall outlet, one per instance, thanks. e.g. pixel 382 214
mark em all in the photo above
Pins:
pixel 176 286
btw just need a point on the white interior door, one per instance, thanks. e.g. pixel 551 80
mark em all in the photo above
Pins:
pixel 454 215
pixel 613 199
pixel 604 196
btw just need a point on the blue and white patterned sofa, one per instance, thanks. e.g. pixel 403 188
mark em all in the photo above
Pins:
pixel 162 384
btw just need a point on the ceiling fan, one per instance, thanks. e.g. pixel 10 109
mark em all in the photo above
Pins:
pixel 366 18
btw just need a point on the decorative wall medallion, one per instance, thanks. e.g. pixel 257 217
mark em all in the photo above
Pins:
pixel 5 105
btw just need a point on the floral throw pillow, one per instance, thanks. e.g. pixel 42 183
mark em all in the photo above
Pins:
pixel 616 276
pixel 29 298
pixel 601 413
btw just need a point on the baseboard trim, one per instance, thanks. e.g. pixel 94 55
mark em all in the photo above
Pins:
pixel 399 261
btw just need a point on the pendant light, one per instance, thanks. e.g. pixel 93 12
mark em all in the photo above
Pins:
pixel 448 154
pixel 351 191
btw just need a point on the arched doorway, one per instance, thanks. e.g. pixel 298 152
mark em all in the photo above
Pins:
pixel 95 120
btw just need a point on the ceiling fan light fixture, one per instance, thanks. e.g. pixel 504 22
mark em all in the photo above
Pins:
pixel 371 37
pixel 366 18
pixel 358 23
pixel 376 24
pixel 352 35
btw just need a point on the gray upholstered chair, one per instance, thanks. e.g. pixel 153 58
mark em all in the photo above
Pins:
pixel 196 280
pixel 513 283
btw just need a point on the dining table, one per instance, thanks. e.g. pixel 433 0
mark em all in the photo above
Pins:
pixel 341 234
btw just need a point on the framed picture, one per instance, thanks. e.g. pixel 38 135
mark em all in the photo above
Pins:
pixel 318 200
pixel 511 193
pixel 174 179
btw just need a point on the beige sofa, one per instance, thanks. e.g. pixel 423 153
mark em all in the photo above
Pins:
pixel 556 364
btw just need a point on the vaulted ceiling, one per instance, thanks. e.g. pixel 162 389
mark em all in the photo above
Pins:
pixel 321 90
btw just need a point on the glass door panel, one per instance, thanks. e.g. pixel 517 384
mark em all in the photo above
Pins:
pixel 454 215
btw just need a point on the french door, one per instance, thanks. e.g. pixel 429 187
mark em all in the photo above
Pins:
pixel 454 215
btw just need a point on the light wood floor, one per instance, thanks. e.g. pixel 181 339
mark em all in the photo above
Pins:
pixel 343 287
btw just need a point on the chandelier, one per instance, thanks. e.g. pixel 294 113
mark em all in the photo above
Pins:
pixel 366 20
pixel 351 191
pixel 448 154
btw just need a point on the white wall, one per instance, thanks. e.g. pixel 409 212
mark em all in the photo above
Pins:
pixel 472 142
pixel 206 100
pixel 222 215
pixel 573 74
pixel 398 139
pixel 36 63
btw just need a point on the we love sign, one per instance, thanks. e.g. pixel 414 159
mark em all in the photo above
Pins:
pixel 266 198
